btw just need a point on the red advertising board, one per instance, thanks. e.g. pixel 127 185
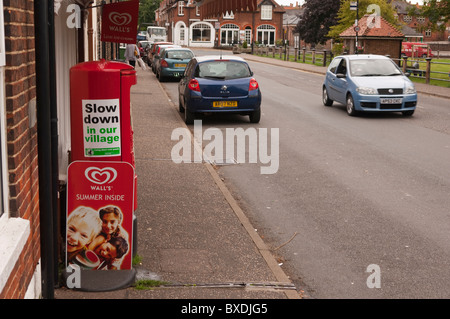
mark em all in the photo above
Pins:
pixel 120 21
pixel 100 206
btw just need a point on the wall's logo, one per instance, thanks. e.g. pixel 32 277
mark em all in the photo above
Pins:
pixel 100 176
pixel 120 18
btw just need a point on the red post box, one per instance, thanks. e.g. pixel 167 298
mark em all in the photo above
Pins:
pixel 100 111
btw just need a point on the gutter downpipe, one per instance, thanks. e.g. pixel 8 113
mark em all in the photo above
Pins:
pixel 54 134
pixel 44 146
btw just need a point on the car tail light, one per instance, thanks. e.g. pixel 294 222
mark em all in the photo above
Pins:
pixel 164 63
pixel 253 85
pixel 194 85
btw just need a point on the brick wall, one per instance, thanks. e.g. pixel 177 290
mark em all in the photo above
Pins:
pixel 20 91
pixel 383 47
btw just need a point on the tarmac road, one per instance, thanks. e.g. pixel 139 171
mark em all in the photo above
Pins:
pixel 350 194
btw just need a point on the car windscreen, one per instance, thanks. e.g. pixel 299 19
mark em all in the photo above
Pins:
pixel 223 69
pixel 373 67
pixel 179 54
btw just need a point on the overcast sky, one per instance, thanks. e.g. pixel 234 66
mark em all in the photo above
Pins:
pixel 288 2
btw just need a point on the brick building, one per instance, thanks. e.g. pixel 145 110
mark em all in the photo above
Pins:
pixel 188 25
pixel 376 36
pixel 418 23
pixel 19 220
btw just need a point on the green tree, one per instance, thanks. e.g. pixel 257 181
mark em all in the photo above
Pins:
pixel 147 10
pixel 437 12
pixel 317 17
pixel 346 17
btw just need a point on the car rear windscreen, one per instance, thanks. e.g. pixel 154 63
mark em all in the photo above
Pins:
pixel 181 54
pixel 223 70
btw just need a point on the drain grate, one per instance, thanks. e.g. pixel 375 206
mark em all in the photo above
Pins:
pixel 251 285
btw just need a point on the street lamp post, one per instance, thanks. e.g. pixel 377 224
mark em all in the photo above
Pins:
pixel 354 5
pixel 357 27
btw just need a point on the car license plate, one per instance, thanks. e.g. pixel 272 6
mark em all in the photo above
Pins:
pixel 225 104
pixel 180 65
pixel 391 101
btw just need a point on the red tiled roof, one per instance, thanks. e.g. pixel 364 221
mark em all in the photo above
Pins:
pixel 368 28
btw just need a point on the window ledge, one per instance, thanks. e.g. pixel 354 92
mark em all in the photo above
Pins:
pixel 14 234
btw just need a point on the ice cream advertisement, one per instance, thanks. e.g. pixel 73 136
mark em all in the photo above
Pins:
pixel 100 199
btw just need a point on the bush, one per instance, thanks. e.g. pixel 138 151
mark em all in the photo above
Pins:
pixel 338 49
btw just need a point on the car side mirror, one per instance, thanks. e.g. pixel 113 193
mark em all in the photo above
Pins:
pixel 340 75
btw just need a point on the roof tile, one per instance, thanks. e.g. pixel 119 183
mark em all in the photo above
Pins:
pixel 368 28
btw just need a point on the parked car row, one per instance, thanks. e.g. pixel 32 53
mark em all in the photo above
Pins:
pixel 209 84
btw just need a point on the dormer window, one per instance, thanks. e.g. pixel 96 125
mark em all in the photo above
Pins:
pixel 181 8
pixel 266 12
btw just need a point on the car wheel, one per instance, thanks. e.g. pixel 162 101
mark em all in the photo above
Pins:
pixel 325 99
pixel 255 116
pixel 188 115
pixel 351 106
pixel 408 113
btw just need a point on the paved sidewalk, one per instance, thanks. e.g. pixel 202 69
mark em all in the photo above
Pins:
pixel 191 233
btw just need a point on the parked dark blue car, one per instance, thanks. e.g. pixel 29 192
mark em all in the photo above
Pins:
pixel 213 84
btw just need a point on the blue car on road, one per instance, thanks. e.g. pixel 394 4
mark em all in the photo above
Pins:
pixel 214 84
pixel 370 83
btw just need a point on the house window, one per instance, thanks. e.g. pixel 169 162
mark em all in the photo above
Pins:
pixel 181 8
pixel 182 32
pixel 407 18
pixel 201 33
pixel 421 19
pixel 266 34
pixel 266 12
pixel 428 33
pixel 229 34
pixel 248 35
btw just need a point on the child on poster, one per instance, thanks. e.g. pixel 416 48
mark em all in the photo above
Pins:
pixel 111 218
pixel 83 225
